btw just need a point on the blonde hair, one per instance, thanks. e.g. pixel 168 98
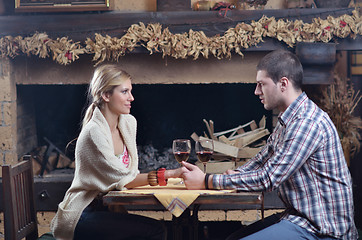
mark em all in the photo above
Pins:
pixel 105 79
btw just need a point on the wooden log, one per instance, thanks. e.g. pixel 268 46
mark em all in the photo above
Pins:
pixel 250 138
pixel 215 167
pixel 210 128
pixel 240 131
pixel 194 136
pixel 226 140
pixel 228 150
pixel 232 130
pixel 262 122
pixel 253 125
pixel 248 152
pixel 224 148
pixel 249 133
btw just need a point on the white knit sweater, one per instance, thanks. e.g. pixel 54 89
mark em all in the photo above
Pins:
pixel 97 170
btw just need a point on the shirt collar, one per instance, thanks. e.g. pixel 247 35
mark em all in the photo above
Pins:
pixel 285 117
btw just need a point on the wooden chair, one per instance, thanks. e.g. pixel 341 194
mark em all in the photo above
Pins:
pixel 19 204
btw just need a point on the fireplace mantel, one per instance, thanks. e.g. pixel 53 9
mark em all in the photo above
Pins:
pixel 80 26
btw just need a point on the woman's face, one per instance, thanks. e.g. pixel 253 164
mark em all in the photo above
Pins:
pixel 119 102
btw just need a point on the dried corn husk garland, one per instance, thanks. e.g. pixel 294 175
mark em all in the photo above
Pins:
pixel 63 50
pixel 183 45
pixel 9 47
pixel 36 45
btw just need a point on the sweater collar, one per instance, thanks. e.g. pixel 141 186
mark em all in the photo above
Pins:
pixel 123 127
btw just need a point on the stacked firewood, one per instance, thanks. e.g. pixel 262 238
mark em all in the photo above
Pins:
pixel 240 142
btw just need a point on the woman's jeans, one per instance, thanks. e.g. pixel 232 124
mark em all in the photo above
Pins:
pixel 108 225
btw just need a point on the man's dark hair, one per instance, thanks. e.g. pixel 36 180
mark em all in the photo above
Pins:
pixel 282 63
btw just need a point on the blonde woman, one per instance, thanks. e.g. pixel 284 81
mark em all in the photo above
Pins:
pixel 105 159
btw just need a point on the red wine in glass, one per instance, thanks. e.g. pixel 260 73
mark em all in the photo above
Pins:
pixel 204 150
pixel 182 156
pixel 181 149
pixel 204 156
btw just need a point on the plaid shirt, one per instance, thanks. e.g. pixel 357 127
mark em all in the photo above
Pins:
pixel 304 160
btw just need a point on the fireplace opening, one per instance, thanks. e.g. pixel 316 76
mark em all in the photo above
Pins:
pixel 163 113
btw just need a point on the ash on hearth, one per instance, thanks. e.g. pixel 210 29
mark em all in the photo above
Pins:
pixel 151 158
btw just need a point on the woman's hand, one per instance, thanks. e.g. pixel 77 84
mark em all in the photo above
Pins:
pixel 173 173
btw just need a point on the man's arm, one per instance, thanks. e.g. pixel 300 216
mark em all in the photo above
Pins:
pixel 301 139
pixel 299 143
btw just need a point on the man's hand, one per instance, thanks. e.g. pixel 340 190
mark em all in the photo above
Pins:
pixel 193 176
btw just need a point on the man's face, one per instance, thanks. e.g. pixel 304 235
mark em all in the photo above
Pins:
pixel 268 92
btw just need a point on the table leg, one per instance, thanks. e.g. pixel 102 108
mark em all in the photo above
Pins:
pixel 178 224
pixel 186 222
pixel 176 229
pixel 195 222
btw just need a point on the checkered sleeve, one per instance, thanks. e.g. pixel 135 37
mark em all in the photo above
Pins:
pixel 255 162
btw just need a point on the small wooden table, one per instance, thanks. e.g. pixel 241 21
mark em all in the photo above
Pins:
pixel 222 201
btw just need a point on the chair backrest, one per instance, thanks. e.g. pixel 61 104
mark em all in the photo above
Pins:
pixel 19 205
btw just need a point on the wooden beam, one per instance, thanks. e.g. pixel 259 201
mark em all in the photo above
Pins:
pixel 79 26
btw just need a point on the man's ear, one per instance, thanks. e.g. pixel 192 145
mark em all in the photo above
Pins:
pixel 284 82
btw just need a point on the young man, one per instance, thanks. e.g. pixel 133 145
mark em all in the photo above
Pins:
pixel 303 159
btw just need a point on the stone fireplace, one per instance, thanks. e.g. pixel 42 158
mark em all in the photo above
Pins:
pixel 42 99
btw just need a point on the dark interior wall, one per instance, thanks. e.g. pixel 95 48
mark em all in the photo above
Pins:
pixel 163 112
pixel 356 161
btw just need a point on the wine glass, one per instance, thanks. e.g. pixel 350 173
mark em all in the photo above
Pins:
pixel 181 148
pixel 204 149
